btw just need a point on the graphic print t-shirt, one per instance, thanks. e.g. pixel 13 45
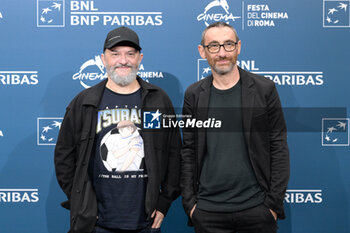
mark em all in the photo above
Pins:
pixel 118 169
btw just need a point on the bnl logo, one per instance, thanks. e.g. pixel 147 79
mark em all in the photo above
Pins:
pixel 335 132
pixel 151 120
pixel 336 13
pixel 203 69
pixel 50 13
pixel 48 129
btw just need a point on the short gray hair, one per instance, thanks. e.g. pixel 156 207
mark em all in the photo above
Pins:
pixel 220 25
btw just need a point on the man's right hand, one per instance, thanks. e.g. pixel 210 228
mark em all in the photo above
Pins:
pixel 191 213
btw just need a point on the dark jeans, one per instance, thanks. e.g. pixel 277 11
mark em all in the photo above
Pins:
pixel 254 220
pixel 145 230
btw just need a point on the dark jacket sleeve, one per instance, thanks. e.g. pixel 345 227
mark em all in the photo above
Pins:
pixel 279 154
pixel 188 161
pixel 65 155
pixel 170 189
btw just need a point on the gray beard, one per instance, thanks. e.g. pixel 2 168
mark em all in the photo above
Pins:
pixel 223 71
pixel 122 80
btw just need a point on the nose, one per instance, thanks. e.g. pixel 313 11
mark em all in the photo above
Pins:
pixel 123 59
pixel 222 51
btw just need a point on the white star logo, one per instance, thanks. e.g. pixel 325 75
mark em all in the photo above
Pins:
pixel 327 138
pixel 331 11
pixel 46 129
pixel 331 129
pixel 43 137
pixel 335 132
pixel 1 134
pixel 341 124
pixel 206 70
pixel 57 124
pixel 56 6
pixel 156 115
pixel 45 10
pixel 343 6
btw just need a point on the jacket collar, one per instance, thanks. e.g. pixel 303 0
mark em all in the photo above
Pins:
pixel 246 80
pixel 207 82
pixel 145 88
pixel 94 94
pixel 248 99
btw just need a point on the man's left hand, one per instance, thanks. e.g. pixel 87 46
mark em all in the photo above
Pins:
pixel 273 214
pixel 158 219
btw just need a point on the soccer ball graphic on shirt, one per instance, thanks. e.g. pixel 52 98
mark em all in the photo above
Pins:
pixel 122 148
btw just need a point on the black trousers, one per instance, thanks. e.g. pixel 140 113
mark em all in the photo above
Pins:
pixel 254 220
pixel 145 230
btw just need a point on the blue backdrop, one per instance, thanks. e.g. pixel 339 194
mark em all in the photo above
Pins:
pixel 50 52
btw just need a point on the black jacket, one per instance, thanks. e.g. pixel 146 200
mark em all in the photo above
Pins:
pixel 75 145
pixel 264 132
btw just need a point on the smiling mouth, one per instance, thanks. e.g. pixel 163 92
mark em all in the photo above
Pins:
pixel 222 61
pixel 123 67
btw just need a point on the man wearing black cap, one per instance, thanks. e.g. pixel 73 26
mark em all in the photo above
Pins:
pixel 102 196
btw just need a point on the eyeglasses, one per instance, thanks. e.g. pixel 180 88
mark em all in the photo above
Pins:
pixel 229 46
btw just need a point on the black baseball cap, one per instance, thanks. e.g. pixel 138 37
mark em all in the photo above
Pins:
pixel 122 36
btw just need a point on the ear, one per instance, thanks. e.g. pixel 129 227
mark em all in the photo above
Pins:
pixel 141 57
pixel 103 59
pixel 239 47
pixel 201 51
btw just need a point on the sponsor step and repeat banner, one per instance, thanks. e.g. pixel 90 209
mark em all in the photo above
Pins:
pixel 50 51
